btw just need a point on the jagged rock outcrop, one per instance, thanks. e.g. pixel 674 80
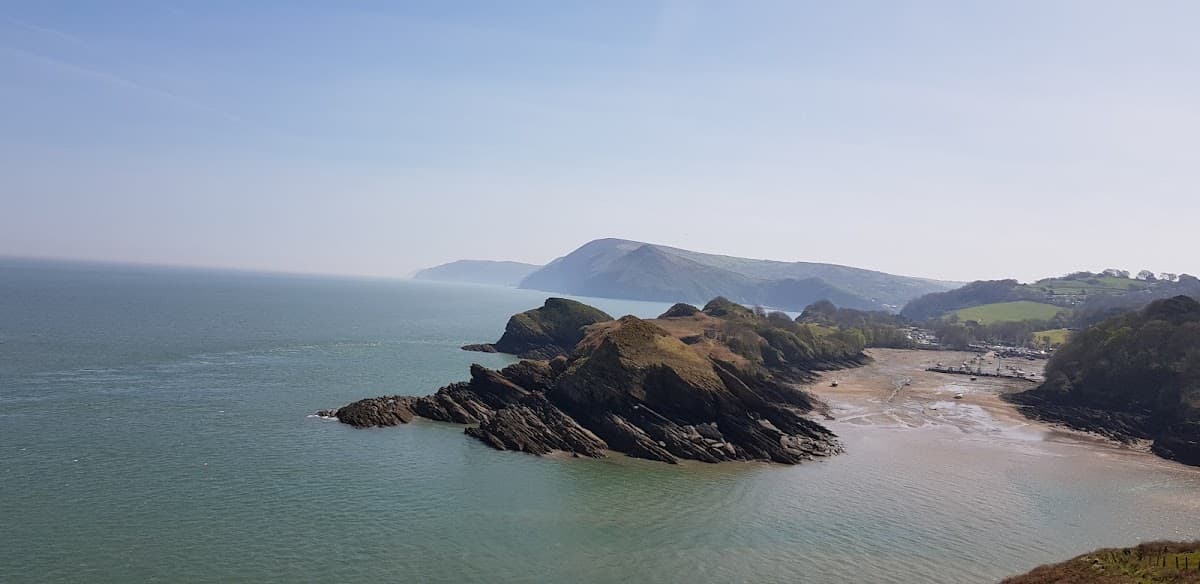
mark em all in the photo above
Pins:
pixel 629 386
pixel 536 426
pixel 711 385
pixel 1180 443
pixel 378 411
pixel 546 332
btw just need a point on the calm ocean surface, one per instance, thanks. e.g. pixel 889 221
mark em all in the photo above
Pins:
pixel 154 426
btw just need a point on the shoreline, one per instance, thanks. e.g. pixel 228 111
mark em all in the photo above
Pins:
pixel 876 395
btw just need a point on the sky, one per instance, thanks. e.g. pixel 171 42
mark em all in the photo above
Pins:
pixel 945 139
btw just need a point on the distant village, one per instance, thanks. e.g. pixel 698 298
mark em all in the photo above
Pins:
pixel 926 339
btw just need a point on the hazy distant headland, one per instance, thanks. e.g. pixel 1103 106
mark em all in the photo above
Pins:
pixel 497 273
pixel 618 268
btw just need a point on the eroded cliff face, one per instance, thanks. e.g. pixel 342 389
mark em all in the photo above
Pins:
pixel 628 386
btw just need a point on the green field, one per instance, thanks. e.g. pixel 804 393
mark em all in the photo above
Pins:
pixel 1056 337
pixel 1008 312
pixel 1100 285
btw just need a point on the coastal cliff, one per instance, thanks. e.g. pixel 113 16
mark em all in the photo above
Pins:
pixel 711 385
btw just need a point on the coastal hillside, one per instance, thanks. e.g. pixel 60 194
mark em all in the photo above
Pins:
pixel 1157 562
pixel 1132 377
pixel 478 272
pixel 1042 314
pixel 1086 294
pixel 711 384
pixel 618 268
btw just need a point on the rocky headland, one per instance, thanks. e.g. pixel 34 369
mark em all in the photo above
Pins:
pixel 1133 377
pixel 546 332
pixel 711 385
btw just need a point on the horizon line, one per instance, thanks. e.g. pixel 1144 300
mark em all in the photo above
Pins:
pixel 197 267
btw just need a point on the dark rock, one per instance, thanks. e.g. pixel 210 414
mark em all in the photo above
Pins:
pixel 535 376
pixel 455 403
pixel 377 411
pixel 537 427
pixel 1180 443
pixel 481 348
pixel 628 386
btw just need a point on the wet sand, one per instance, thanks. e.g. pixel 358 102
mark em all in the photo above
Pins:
pixel 873 405
pixel 894 390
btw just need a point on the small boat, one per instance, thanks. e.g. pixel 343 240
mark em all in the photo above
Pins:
pixel 973 378
pixel 834 383
pixel 958 395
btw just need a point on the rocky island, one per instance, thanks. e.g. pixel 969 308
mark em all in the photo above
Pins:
pixel 712 384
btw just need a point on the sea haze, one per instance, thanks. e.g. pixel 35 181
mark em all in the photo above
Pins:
pixel 155 425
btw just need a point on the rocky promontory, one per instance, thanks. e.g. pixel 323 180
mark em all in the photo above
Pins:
pixel 546 332
pixel 1133 377
pixel 693 385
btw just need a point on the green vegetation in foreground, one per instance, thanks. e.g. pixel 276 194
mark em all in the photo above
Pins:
pixel 1018 311
pixel 1149 563
pixel 1051 338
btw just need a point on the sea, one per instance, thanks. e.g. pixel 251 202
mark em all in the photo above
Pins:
pixel 156 425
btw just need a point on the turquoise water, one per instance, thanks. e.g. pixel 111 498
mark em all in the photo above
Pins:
pixel 154 426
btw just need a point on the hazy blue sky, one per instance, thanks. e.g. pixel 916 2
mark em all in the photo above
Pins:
pixel 947 139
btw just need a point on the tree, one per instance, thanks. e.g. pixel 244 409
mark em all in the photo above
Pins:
pixel 1168 276
pixel 1146 276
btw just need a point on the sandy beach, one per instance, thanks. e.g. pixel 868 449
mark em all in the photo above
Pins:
pixel 895 390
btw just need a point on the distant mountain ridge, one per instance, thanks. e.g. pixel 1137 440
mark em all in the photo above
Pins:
pixel 619 268
pixel 497 273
